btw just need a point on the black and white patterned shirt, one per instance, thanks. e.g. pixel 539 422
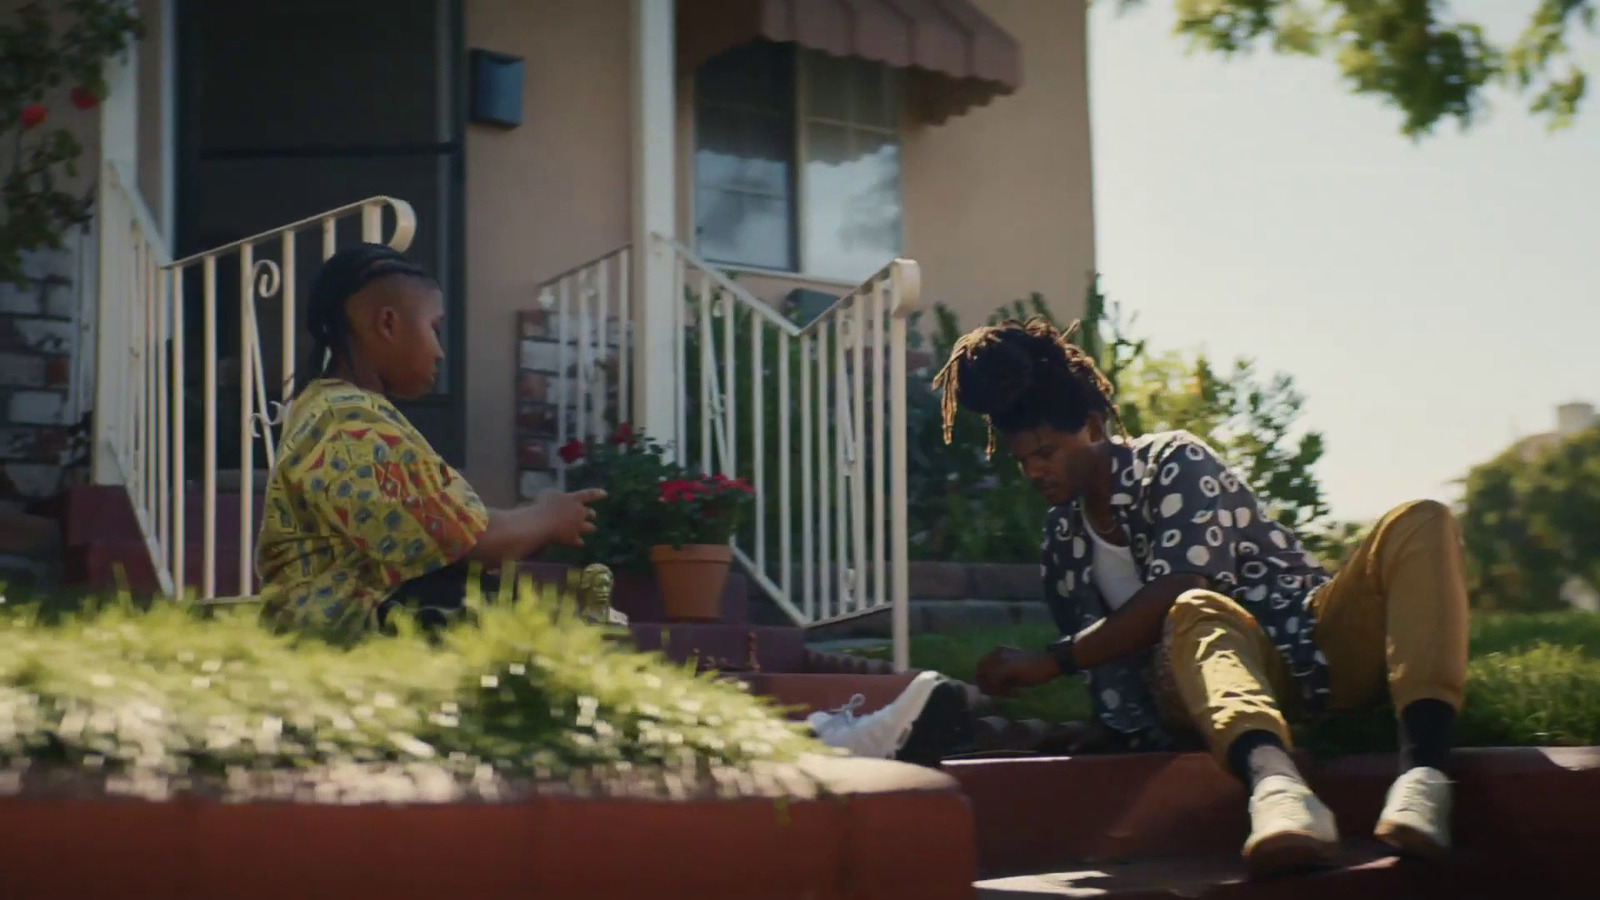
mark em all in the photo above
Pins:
pixel 1185 512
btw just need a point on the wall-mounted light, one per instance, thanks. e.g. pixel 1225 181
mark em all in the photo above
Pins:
pixel 496 88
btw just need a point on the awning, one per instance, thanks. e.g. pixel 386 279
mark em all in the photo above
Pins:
pixel 957 57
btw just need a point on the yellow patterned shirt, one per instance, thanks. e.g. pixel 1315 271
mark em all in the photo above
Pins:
pixel 358 502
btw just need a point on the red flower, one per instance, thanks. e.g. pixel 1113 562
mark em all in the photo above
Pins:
pixel 571 451
pixel 678 491
pixel 623 435
pixel 83 98
pixel 33 114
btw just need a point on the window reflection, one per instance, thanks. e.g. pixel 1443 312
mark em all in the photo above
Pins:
pixel 797 162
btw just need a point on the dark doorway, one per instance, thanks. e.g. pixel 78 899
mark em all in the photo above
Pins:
pixel 287 108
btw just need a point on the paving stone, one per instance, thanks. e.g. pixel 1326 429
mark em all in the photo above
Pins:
pixel 38 408
pixel 947 616
pixel 35 480
pixel 58 371
pixel 22 370
pixel 58 298
pixel 27 443
pixel 21 299
pixel 1004 581
pixel 939 580
pixel 1031 614
pixel 27 535
pixel 45 335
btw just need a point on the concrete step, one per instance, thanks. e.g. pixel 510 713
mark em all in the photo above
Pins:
pixel 1369 871
pixel 636 594
pixel 803 693
pixel 1523 805
pixel 724 646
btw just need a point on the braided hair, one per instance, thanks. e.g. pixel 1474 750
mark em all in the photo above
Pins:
pixel 341 277
pixel 1023 375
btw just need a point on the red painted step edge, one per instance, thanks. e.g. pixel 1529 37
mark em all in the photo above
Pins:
pixel 880 830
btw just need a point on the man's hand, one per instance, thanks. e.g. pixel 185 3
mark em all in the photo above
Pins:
pixel 566 518
pixel 1005 669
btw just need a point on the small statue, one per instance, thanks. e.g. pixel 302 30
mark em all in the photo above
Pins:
pixel 751 662
pixel 595 585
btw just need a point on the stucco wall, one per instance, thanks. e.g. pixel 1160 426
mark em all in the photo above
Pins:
pixel 999 201
pixel 155 114
pixel 541 198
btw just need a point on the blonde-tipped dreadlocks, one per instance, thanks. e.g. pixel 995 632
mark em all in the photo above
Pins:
pixel 1022 375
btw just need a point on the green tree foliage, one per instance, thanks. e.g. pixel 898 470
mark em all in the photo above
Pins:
pixel 43 46
pixel 968 507
pixel 1531 523
pixel 1412 54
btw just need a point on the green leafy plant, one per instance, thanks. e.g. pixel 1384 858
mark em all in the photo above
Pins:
pixel 37 56
pixel 174 690
pixel 967 507
pixel 1419 57
pixel 1530 523
pixel 630 467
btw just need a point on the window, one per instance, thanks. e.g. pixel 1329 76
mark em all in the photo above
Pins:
pixel 797 162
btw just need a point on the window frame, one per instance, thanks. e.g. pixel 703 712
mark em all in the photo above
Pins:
pixel 803 60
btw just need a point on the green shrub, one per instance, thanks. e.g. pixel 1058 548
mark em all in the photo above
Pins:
pixel 1532 680
pixel 526 691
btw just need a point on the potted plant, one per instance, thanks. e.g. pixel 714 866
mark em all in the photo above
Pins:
pixel 697 517
pixel 630 468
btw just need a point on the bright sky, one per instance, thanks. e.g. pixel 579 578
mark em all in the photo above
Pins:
pixel 1431 300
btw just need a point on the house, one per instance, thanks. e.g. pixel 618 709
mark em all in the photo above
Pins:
pixel 1571 418
pixel 570 169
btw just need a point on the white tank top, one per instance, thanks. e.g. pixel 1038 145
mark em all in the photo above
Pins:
pixel 1115 572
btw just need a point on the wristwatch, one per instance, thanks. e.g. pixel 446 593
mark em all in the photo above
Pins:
pixel 1063 652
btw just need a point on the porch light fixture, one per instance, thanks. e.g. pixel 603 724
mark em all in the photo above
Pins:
pixel 495 88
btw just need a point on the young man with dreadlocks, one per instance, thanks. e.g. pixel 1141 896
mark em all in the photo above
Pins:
pixel 1188 609
pixel 360 512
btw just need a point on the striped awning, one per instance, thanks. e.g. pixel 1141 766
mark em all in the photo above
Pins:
pixel 956 56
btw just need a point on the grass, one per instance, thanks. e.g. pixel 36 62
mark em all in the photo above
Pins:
pixel 171 690
pixel 1532 680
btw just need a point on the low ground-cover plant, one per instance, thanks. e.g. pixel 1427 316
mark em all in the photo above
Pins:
pixel 1532 680
pixel 523 691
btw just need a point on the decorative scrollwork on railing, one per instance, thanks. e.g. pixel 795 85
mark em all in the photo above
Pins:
pixel 260 421
pixel 268 277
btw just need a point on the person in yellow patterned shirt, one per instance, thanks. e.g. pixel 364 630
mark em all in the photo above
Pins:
pixel 361 514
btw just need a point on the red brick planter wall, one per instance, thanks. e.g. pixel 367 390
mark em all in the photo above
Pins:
pixel 849 828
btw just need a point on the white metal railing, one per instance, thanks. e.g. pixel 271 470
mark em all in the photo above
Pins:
pixel 132 372
pixel 587 351
pixel 139 422
pixel 824 405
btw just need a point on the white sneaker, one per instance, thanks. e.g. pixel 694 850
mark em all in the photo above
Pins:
pixel 1416 815
pixel 879 735
pixel 1289 828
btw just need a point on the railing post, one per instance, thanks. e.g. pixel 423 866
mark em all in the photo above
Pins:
pixel 906 288
pixel 654 213
pixel 106 344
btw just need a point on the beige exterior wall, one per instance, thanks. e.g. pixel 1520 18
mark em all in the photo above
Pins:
pixel 541 198
pixel 156 135
pixel 999 201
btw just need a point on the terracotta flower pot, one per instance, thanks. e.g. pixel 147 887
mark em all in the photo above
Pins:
pixel 690 579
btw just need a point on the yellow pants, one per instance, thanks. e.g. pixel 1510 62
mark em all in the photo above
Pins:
pixel 1396 612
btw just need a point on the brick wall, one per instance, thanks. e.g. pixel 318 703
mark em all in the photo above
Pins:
pixel 39 342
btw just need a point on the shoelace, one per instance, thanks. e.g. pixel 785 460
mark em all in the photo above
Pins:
pixel 846 713
pixel 1286 804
